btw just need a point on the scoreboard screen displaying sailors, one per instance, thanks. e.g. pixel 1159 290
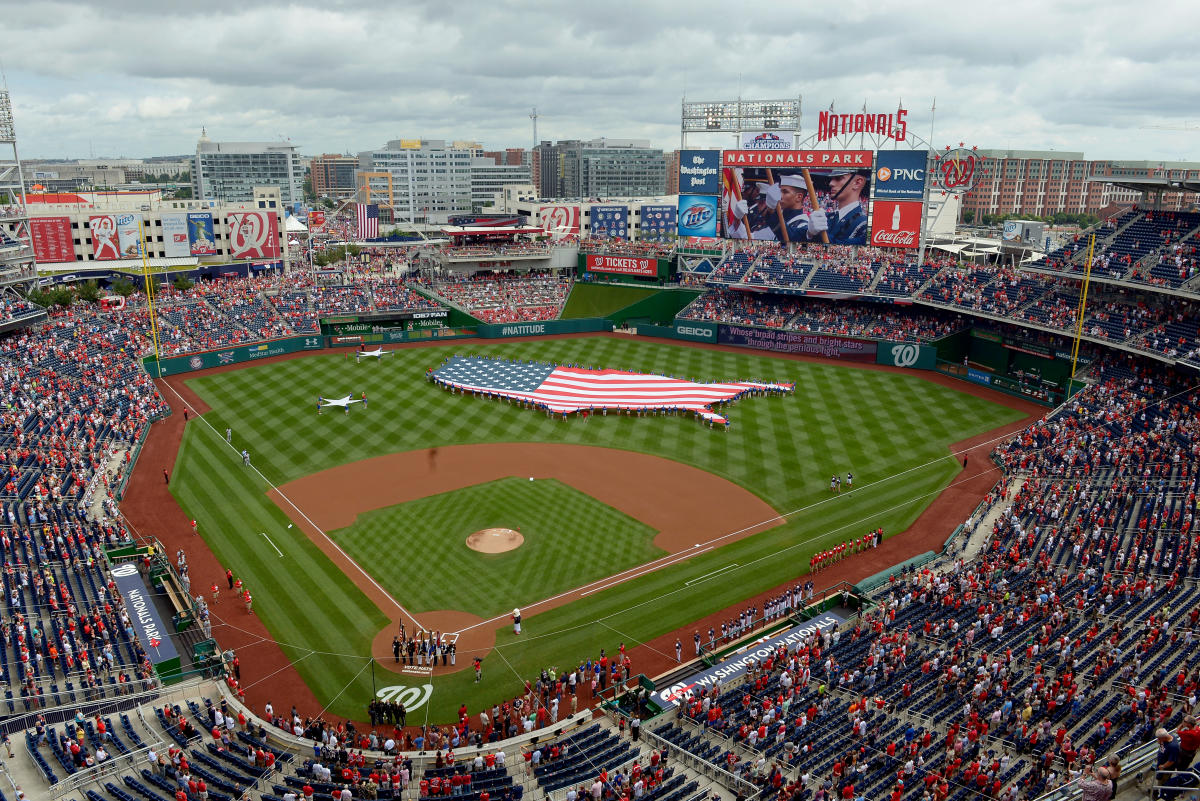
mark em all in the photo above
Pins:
pixel 797 196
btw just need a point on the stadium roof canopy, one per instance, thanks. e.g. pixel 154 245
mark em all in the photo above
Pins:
pixel 484 230
pixel 1150 185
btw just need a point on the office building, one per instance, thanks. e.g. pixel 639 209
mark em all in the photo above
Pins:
pixel 228 172
pixel 601 168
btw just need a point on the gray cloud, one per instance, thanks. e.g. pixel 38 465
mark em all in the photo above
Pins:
pixel 140 77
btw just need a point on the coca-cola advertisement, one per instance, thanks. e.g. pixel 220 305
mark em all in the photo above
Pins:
pixel 796 196
pixel 896 223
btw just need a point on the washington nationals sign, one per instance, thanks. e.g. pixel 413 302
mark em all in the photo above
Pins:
pixel 957 170
pixel 253 235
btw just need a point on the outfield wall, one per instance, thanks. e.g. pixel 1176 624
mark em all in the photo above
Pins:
pixel 237 354
pixel 830 346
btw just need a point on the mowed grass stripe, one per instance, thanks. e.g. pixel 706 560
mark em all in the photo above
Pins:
pixel 873 423
pixel 305 601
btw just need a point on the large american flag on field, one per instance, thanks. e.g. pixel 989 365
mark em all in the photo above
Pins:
pixel 568 389
pixel 368 220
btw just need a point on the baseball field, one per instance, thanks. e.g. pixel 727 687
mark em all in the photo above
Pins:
pixel 348 523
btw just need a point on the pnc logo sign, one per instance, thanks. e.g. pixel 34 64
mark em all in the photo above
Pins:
pixel 886 174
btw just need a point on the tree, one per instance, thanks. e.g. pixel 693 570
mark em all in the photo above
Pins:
pixel 60 296
pixel 968 216
pixel 308 190
pixel 123 287
pixel 88 291
pixel 327 203
pixel 183 283
pixel 38 297
pixel 183 193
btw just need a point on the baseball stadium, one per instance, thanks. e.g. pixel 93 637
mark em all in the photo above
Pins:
pixel 791 498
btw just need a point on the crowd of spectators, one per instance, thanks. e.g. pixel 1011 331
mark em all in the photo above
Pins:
pixel 504 298
pixel 612 246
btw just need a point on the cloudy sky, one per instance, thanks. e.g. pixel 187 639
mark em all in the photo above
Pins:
pixel 140 77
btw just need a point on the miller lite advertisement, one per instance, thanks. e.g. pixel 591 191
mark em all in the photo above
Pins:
pixel 697 215
pixel 896 223
pixel 796 196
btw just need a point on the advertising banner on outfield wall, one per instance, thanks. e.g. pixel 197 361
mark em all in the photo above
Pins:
pixel 175 236
pixel 152 631
pixel 900 174
pixel 202 241
pixel 51 239
pixel 235 355
pixel 641 266
pixel 657 222
pixel 253 235
pixel 105 244
pixel 696 330
pixel 697 215
pixel 609 222
pixel 738 664
pixel 896 223
pixel 830 347
pixel 907 354
pixel 699 172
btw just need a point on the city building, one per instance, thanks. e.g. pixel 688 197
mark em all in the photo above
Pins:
pixel 229 172
pixel 332 175
pixel 601 168
pixel 1042 183
pixel 672 172
pixel 428 180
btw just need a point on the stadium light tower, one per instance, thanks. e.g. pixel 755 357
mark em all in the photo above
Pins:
pixel 12 195
pixel 738 116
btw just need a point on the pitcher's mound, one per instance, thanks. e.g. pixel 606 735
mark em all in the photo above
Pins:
pixel 495 540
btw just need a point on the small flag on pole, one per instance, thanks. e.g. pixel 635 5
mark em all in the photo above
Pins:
pixel 368 220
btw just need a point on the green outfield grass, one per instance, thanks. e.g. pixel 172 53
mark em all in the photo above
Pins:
pixel 560 524
pixel 598 300
pixel 890 429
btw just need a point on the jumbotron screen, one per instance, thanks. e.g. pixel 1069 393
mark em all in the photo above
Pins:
pixel 796 196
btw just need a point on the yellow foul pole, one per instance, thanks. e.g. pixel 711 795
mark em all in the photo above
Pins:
pixel 149 299
pixel 1081 311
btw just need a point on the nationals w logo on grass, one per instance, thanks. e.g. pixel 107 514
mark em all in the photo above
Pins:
pixel 566 389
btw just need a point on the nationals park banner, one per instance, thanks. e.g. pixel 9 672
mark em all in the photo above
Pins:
pixel 640 266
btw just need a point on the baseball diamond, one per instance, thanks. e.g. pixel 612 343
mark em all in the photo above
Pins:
pixel 344 596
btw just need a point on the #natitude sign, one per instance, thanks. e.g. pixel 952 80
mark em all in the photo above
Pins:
pixel 765 195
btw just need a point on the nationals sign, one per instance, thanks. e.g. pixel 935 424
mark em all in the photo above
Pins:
pixel 623 265
pixel 105 242
pixel 896 223
pixel 560 220
pixel 254 235
pixel 958 170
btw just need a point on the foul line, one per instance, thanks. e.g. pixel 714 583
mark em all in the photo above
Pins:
pixel 273 545
pixel 710 575
pixel 299 511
